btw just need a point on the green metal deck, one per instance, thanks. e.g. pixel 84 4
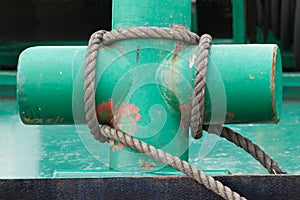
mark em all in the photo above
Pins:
pixel 59 151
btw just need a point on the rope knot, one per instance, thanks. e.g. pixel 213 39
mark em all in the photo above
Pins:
pixel 197 115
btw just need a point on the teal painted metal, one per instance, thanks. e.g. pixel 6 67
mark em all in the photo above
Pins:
pixel 291 79
pixel 287 55
pixel 166 13
pixel 10 51
pixel 47 151
pixel 291 85
pixel 110 173
pixel 156 106
pixel 49 77
pixel 50 81
pixel 55 151
pixel 8 84
pixel 8 78
pixel 239 21
pixel 145 106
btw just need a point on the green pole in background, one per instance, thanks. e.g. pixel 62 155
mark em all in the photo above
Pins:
pixel 239 21
pixel 144 87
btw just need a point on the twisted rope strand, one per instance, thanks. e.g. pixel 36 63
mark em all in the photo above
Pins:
pixel 151 32
pixel 208 181
pixel 89 85
pixel 102 134
pixel 199 86
pixel 246 144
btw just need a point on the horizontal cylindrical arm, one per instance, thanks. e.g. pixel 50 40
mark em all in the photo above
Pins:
pixel 243 81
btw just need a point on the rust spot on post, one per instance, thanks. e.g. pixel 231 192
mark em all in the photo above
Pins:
pixel 273 78
pixel 178 47
pixel 230 116
pixel 179 44
pixel 178 26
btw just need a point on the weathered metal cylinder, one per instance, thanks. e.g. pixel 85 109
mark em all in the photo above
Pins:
pixel 247 79
pixel 145 86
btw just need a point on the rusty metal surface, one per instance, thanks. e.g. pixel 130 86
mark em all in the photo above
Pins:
pixel 252 187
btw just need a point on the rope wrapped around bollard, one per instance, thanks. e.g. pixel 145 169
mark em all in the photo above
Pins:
pixel 105 132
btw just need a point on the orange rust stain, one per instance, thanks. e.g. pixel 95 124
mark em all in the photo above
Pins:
pixel 105 112
pixel 185 111
pixel 168 177
pixel 178 26
pixel 230 115
pixel 178 48
pixel 277 121
pixel 123 117
pixel 120 48
pixel 179 44
pixel 273 78
pixel 27 120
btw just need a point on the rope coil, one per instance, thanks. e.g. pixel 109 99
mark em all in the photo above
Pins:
pixel 105 132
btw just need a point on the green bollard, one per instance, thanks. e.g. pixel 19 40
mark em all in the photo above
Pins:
pixel 144 87
pixel 48 78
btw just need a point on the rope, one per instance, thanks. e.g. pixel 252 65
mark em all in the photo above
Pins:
pixel 151 32
pixel 102 134
pixel 89 85
pixel 199 87
pixel 208 181
pixel 246 144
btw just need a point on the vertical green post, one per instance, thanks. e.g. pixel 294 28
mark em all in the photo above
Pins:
pixel 145 86
pixel 144 112
pixel 239 25
pixel 160 13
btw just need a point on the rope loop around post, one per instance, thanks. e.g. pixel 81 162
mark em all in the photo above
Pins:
pixel 197 113
pixel 105 132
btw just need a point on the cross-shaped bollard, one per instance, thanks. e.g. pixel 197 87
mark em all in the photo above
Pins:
pixel 145 86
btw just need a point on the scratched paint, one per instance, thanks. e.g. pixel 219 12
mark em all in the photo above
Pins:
pixel 230 116
pixel 272 78
pixel 185 111
pixel 192 61
pixel 123 117
pixel 58 120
